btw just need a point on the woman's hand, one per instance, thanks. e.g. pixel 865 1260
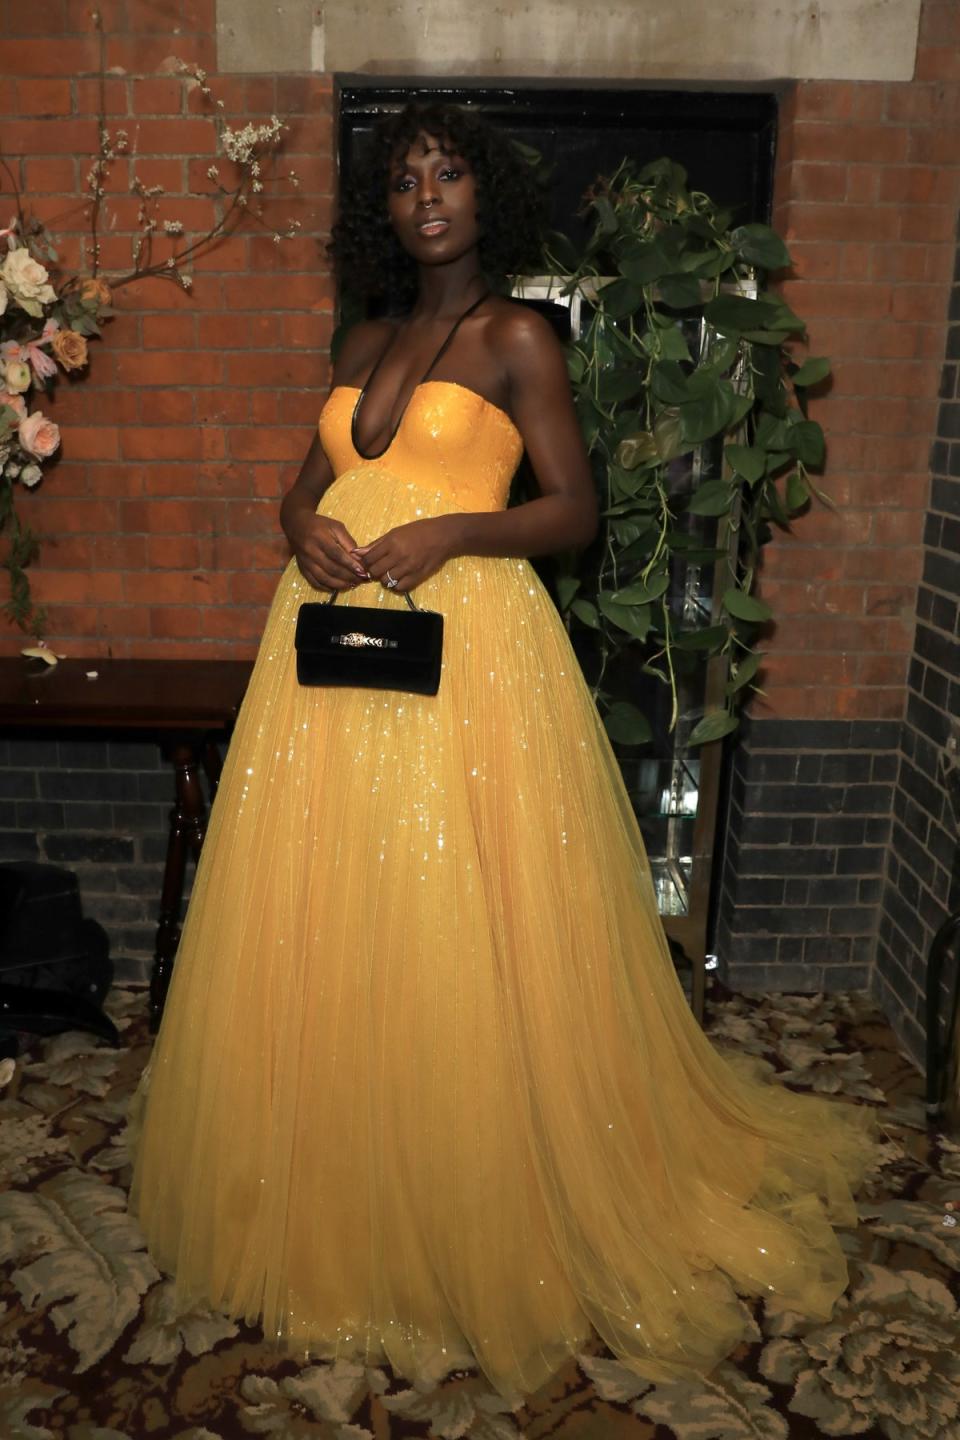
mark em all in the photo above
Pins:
pixel 321 544
pixel 322 547
pixel 411 552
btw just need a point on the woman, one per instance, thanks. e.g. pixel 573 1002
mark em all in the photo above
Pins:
pixel 427 1087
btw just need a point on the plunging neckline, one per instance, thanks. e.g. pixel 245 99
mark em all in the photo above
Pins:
pixel 424 384
pixel 362 390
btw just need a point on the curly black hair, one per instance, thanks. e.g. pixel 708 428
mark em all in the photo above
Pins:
pixel 368 257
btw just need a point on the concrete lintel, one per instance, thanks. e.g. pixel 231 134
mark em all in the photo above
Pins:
pixel 741 41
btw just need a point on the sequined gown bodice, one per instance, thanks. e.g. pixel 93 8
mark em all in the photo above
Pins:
pixel 450 440
pixel 427 1089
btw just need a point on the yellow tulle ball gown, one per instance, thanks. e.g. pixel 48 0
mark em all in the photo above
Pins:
pixel 426 1083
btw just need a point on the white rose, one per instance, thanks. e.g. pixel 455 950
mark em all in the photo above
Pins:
pixel 17 377
pixel 27 281
pixel 30 474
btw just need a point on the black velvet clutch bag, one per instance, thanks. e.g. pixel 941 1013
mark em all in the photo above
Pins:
pixel 373 647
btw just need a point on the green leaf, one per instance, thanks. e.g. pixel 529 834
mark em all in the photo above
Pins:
pixel 769 337
pixel 713 727
pixel 639 551
pixel 621 298
pixel 624 485
pixel 576 364
pixel 736 314
pixel 747 461
pixel 723 353
pixel 713 497
pixel 798 491
pixel 814 369
pixel 711 637
pixel 567 587
pixel 615 386
pixel 679 291
pixel 635 620
pixel 772 433
pixel 745 672
pixel 808 443
pixel 711 264
pixel 642 593
pixel 759 245
pixel 625 531
pixel 666 173
pixel 669 383
pixel 632 505
pixel 668 435
pixel 672 345
pixel 673 386
pixel 586 612
pixel 645 263
pixel 785 318
pixel 767 376
pixel 708 415
pixel 637 450
pixel 745 607
pixel 776 459
pixel 626 724
pixel 773 507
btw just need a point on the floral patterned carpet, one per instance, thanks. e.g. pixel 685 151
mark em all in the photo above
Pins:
pixel 91 1347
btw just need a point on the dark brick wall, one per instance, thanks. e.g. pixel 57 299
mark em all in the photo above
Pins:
pixel 842 852
pixel 922 883
pixel 804 854
pixel 100 808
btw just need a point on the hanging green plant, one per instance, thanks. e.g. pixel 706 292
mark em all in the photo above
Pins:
pixel 682 368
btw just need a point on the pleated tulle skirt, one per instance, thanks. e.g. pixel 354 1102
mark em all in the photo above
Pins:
pixel 427 1087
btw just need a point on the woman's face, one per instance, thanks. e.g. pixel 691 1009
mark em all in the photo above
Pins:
pixel 432 202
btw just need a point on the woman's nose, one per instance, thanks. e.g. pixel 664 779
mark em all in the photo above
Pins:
pixel 429 191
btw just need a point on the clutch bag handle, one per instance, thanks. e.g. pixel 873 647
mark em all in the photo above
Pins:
pixel 406 595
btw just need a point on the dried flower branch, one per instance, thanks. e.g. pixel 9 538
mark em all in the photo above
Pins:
pixel 45 323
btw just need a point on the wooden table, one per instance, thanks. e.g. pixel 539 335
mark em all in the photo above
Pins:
pixel 181 703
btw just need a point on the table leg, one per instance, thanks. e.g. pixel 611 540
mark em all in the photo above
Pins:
pixel 188 820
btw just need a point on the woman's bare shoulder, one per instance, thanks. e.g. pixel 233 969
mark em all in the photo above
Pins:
pixel 518 333
pixel 524 344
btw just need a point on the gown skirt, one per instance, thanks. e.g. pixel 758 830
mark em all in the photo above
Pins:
pixel 427 1089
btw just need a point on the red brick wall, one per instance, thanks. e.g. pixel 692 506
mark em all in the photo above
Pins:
pixel 159 523
pixel 867 195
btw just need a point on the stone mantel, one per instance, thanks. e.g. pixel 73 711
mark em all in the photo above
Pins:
pixel 658 41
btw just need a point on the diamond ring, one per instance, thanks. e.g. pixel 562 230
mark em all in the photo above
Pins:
pixel 391 584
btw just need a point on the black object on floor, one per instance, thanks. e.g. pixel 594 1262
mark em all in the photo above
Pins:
pixel 55 967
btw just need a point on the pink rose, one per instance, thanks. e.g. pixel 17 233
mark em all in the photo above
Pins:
pixel 16 402
pixel 38 435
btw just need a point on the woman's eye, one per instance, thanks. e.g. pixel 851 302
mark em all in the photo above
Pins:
pixel 450 174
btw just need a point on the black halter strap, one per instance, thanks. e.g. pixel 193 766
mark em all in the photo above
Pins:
pixel 433 363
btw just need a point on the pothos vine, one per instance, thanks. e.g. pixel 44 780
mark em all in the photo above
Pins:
pixel 683 368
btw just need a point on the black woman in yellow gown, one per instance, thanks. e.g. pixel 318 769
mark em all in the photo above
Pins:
pixel 426 1083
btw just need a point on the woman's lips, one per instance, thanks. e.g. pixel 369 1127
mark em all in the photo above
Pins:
pixel 433 227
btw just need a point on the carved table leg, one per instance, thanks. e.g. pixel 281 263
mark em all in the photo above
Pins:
pixel 187 827
pixel 213 766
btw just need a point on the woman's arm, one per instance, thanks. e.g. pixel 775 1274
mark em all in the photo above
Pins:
pixel 565 513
